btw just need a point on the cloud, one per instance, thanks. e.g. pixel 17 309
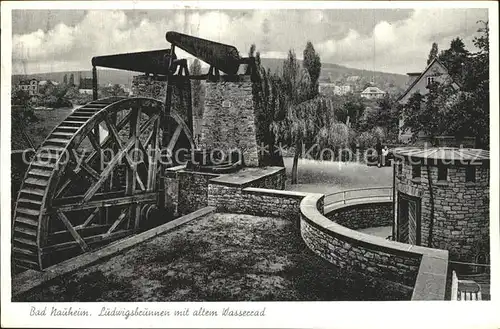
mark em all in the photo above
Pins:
pixel 398 44
pixel 404 45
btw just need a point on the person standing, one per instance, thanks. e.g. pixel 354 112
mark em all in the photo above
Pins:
pixel 378 148
pixel 385 153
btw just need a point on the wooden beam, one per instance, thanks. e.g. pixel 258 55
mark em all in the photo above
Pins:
pixel 173 140
pixel 107 171
pixel 132 170
pixel 89 240
pixel 89 219
pixel 89 170
pixel 94 141
pixel 118 201
pixel 76 198
pixel 63 236
pixel 130 163
pixel 72 230
pixel 153 158
pixel 107 141
pixel 120 219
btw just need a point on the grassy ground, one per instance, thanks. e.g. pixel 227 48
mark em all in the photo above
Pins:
pixel 48 120
pixel 221 257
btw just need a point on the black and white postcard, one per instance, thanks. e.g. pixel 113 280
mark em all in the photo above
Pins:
pixel 250 164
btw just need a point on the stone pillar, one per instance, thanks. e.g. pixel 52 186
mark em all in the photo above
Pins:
pixel 229 120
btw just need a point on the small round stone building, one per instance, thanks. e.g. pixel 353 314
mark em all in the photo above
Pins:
pixel 441 200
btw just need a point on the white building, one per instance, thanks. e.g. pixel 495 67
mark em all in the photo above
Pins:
pixel 331 88
pixel 373 93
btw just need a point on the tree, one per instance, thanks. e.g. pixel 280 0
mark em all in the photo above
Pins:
pixel 477 89
pixel 433 53
pixel 312 63
pixel 352 108
pixel 455 59
pixel 22 114
pixel 463 111
pixel 65 79
pixel 71 79
pixel 196 88
pixel 302 126
pixel 269 106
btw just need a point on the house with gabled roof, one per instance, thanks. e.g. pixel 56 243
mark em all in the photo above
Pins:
pixel 419 82
pixel 373 93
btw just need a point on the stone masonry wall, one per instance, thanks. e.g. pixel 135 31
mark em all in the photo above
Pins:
pixel 256 201
pixel 148 86
pixel 229 119
pixel 353 255
pixel 362 216
pixel 461 209
pixel 192 190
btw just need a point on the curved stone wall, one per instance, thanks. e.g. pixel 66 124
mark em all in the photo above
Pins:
pixel 362 215
pixel 410 265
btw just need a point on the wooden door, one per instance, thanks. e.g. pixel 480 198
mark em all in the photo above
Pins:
pixel 412 222
pixel 408 219
pixel 403 221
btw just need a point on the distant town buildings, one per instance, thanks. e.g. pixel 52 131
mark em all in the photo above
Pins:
pixel 30 86
pixel 373 93
pixel 85 86
pixel 333 89
pixel 353 78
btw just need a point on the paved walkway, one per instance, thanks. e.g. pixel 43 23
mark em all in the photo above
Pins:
pixel 382 231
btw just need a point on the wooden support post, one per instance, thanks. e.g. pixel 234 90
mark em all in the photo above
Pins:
pixel 94 84
pixel 131 173
pixel 189 109
pixel 72 230
pixel 165 123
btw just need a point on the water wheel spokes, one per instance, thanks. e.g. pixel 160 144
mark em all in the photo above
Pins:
pixel 90 180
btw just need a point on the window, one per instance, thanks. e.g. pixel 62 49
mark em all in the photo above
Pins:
pixel 442 173
pixel 470 174
pixel 415 171
pixel 430 80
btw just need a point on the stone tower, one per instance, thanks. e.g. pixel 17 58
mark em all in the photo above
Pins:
pixel 229 119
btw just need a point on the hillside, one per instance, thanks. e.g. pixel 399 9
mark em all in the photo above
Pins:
pixel 329 73
pixel 104 76
pixel 335 73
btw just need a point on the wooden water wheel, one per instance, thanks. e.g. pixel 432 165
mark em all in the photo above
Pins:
pixel 93 179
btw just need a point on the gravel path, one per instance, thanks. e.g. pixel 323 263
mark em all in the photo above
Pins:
pixel 220 257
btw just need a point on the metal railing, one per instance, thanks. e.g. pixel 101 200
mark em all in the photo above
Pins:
pixel 383 193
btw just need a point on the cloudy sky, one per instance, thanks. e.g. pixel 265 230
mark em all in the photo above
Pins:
pixel 391 40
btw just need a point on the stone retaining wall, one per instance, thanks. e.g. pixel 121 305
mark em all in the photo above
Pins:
pixel 256 201
pixel 361 216
pixel 373 256
pixel 192 190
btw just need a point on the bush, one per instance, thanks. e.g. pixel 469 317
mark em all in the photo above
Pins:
pixel 366 139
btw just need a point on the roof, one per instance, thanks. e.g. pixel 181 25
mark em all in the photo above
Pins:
pixel 444 155
pixel 373 90
pixel 154 61
pixel 414 82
